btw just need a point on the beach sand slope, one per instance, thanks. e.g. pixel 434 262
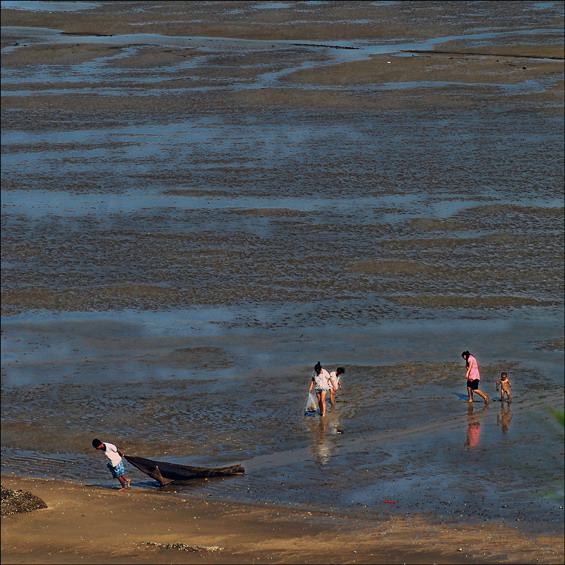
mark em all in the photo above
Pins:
pixel 84 524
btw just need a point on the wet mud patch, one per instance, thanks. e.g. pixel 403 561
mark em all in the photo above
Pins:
pixel 551 344
pixel 470 302
pixel 312 22
pixel 166 60
pixel 435 224
pixel 198 192
pixel 203 358
pixel 53 55
pixel 517 213
pixel 415 269
pixel 429 67
pixel 273 213
pixel 549 47
pixel 333 99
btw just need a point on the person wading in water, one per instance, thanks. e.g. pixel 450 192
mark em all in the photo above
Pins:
pixel 473 377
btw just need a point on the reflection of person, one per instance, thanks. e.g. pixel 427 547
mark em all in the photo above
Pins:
pixel 321 445
pixel 334 423
pixel 116 464
pixel 473 426
pixel 335 381
pixel 320 383
pixel 473 376
pixel 504 419
pixel 504 385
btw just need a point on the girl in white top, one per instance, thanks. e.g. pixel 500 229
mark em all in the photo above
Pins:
pixel 320 383
pixel 335 381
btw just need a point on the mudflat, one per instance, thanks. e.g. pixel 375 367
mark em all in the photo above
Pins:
pixel 201 200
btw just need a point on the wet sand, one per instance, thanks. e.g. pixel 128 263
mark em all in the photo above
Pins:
pixel 93 525
pixel 193 214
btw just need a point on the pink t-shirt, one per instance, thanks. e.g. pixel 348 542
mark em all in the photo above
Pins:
pixel 474 372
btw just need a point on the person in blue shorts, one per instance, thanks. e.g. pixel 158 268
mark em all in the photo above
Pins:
pixel 116 464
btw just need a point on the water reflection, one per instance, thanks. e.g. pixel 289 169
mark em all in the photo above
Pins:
pixel 503 420
pixel 334 422
pixel 321 430
pixel 474 425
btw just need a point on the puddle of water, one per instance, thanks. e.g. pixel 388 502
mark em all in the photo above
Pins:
pixel 127 336
pixel 63 204
pixel 37 6
pixel 271 6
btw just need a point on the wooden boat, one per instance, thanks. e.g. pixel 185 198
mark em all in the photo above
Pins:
pixel 167 473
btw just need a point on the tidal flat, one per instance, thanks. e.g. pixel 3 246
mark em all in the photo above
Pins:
pixel 201 200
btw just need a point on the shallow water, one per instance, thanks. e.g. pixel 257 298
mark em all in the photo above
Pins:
pixel 172 268
pixel 48 6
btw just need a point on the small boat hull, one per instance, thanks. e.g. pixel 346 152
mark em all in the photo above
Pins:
pixel 166 473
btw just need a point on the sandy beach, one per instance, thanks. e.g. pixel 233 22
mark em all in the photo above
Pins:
pixel 92 525
pixel 200 200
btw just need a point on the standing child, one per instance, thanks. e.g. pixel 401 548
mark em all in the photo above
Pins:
pixel 504 385
pixel 320 383
pixel 335 381
pixel 116 464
